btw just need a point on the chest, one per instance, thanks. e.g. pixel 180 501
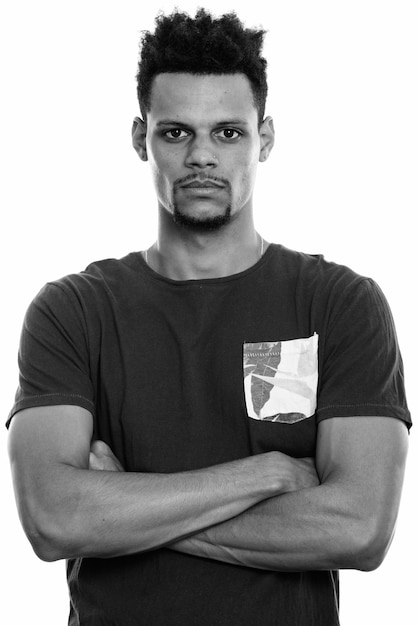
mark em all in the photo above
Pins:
pixel 170 381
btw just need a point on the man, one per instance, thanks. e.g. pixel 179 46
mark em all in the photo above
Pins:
pixel 210 429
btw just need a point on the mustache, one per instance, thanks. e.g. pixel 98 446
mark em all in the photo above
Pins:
pixel 201 178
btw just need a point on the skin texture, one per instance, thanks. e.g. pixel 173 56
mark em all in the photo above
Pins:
pixel 186 135
pixel 69 509
pixel 203 128
pixel 303 529
pixel 345 522
pixel 267 511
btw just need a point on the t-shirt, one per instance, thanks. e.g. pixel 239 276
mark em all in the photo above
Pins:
pixel 181 375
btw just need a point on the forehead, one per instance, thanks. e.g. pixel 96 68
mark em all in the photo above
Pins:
pixel 202 96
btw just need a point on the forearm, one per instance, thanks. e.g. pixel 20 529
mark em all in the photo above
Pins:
pixel 311 529
pixel 347 521
pixel 81 512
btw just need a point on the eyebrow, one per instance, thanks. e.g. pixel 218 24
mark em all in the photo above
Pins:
pixel 235 122
pixel 169 123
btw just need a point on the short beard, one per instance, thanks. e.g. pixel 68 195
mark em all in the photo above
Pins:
pixel 202 224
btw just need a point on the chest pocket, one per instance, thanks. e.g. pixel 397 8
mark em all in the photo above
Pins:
pixel 281 379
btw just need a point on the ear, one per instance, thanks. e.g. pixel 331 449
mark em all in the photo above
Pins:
pixel 139 135
pixel 266 138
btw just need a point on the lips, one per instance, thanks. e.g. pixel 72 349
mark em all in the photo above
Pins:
pixel 202 184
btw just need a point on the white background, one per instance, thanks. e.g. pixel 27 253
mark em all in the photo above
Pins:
pixel 342 181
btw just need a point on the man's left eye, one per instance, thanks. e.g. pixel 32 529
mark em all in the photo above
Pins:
pixel 228 133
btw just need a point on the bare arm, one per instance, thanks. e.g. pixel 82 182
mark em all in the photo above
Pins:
pixel 68 509
pixel 345 522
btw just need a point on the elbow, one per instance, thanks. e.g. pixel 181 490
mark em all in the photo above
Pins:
pixel 45 543
pixel 44 549
pixel 47 535
pixel 373 555
pixel 370 562
pixel 369 548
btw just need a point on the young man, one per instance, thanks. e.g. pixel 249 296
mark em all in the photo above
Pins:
pixel 244 403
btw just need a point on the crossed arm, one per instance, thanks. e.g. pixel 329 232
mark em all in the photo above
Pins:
pixel 346 521
pixel 268 511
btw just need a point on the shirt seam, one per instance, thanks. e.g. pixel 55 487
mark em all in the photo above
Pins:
pixel 63 395
pixel 334 406
pixel 141 264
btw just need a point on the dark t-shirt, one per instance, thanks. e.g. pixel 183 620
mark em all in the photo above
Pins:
pixel 181 375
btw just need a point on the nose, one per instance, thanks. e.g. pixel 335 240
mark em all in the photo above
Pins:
pixel 201 155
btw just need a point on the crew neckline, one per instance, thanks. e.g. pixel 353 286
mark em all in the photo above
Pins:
pixel 145 268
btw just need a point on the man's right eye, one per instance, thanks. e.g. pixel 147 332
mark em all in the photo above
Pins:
pixel 176 133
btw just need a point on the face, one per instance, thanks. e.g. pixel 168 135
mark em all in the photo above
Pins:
pixel 203 144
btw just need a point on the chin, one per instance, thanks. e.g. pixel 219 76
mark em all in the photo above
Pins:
pixel 204 222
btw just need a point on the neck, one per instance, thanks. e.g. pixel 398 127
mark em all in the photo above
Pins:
pixel 189 255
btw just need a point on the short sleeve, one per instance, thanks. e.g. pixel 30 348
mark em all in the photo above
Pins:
pixel 53 353
pixel 362 370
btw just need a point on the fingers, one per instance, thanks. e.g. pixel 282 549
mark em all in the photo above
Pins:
pixel 100 448
pixel 101 457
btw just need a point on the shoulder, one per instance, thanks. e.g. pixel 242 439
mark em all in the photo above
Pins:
pixel 331 291
pixel 100 280
pixel 314 271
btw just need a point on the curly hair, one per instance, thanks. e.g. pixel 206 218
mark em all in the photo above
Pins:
pixel 202 45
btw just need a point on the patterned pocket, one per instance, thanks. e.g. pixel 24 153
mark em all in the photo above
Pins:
pixel 281 379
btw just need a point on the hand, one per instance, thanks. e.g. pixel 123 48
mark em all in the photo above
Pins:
pixel 292 474
pixel 299 474
pixel 102 458
pixel 286 473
